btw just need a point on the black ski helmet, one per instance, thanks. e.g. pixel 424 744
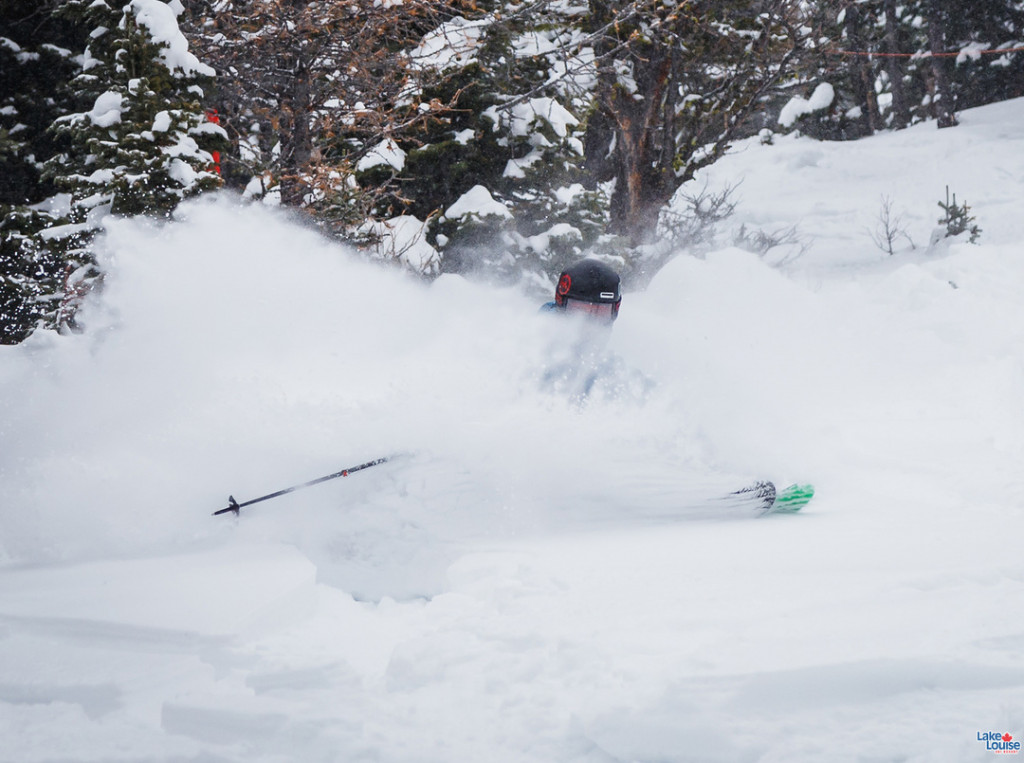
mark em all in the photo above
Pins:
pixel 592 282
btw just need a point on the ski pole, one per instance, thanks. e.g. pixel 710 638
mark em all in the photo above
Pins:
pixel 235 506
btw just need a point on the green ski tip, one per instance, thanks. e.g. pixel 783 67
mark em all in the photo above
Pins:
pixel 792 498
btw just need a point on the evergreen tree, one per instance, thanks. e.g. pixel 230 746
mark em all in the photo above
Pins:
pixel 935 59
pixel 839 56
pixel 42 263
pixel 136 140
pixel 35 62
pixel 514 134
pixel 971 26
pixel 118 128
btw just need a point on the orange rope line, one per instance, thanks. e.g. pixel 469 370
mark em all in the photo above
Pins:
pixel 947 54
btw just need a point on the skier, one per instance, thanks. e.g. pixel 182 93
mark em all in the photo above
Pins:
pixel 588 287
pixel 577 359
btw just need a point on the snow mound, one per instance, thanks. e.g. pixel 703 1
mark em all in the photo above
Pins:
pixel 524 581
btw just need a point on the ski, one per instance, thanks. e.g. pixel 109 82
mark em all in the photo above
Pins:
pixel 792 498
pixel 764 498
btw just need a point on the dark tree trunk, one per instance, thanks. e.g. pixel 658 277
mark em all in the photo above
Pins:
pixel 894 68
pixel 942 96
pixel 639 135
pixel 298 148
pixel 862 79
pixel 641 190
pixel 630 133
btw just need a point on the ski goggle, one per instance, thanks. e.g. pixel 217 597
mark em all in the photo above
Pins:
pixel 608 311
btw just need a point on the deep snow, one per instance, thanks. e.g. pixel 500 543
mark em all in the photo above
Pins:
pixel 522 585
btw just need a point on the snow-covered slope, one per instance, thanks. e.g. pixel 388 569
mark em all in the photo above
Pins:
pixel 526 582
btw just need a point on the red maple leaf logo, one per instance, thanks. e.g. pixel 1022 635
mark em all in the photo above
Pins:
pixel 1007 737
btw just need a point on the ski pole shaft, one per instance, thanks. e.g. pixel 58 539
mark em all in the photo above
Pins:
pixel 234 506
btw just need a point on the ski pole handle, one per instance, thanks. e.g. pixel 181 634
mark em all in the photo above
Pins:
pixel 232 506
